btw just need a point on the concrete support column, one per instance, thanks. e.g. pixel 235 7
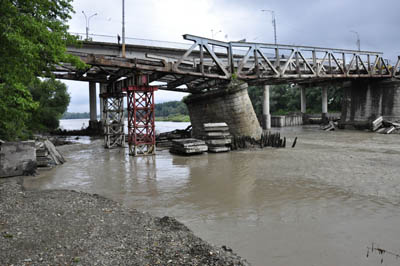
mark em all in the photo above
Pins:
pixel 303 100
pixel 92 102
pixel 366 100
pixel 266 109
pixel 103 89
pixel 324 104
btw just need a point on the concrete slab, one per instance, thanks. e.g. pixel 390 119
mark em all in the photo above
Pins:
pixel 218 149
pixel 219 142
pixel 187 142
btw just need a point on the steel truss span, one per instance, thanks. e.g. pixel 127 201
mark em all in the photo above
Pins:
pixel 210 63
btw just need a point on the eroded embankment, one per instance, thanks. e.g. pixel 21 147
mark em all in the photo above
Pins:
pixel 61 227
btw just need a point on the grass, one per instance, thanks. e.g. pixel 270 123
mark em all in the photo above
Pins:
pixel 174 118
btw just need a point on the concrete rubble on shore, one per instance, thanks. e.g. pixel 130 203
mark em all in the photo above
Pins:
pixel 382 126
pixel 60 227
pixel 17 158
pixel 47 154
pixel 23 157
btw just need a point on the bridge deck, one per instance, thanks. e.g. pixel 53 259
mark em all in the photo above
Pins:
pixel 210 63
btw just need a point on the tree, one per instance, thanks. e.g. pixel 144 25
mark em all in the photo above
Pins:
pixel 285 99
pixel 33 38
pixel 53 100
pixel 171 108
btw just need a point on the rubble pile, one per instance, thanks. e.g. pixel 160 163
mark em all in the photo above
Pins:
pixel 164 140
pixel 188 146
pixel 382 126
pixel 47 154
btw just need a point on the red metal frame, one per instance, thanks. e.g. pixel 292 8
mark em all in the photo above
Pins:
pixel 141 120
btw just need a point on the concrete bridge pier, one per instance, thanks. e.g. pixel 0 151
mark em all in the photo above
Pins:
pixel 324 97
pixel 303 102
pixel 92 105
pixel 103 89
pixel 266 109
pixel 231 105
pixel 365 100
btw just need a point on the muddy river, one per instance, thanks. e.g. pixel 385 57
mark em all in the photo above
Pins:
pixel 322 203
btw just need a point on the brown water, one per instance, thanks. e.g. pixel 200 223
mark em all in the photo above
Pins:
pixel 321 203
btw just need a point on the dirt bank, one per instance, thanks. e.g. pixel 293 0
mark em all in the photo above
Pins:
pixel 61 227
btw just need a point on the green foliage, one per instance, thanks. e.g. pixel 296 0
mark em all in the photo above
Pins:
pixel 175 111
pixel 16 105
pixel 53 100
pixel 33 38
pixel 68 115
pixel 174 118
pixel 172 108
pixel 285 99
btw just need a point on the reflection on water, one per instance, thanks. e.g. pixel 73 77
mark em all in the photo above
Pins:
pixel 161 126
pixel 321 203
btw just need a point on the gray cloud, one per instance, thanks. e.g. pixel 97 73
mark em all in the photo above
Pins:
pixel 325 23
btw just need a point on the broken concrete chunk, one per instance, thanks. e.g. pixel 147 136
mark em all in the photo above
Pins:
pixel 17 158
pixel 377 123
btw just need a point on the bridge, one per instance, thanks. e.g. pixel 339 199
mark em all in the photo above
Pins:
pixel 206 68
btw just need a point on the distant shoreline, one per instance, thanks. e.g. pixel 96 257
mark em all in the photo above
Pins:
pixel 176 118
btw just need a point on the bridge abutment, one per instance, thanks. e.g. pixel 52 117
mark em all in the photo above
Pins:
pixel 365 100
pixel 231 105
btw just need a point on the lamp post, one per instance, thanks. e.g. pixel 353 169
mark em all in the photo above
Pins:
pixel 358 40
pixel 87 19
pixel 273 22
pixel 123 28
pixel 214 34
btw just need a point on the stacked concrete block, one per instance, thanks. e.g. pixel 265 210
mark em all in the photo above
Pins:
pixel 188 146
pixel 217 137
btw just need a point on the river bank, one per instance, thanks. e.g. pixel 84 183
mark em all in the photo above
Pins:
pixel 322 203
pixel 64 227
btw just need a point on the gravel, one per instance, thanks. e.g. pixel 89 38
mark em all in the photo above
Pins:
pixel 62 227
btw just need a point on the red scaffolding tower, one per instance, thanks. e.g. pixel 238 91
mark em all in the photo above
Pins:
pixel 141 117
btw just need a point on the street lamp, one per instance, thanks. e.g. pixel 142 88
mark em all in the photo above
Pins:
pixel 214 34
pixel 87 23
pixel 123 28
pixel 358 40
pixel 273 22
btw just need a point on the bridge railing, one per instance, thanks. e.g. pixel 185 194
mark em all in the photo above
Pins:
pixel 260 61
pixel 132 41
pixel 270 61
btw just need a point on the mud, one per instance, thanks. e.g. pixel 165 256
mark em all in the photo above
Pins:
pixel 322 203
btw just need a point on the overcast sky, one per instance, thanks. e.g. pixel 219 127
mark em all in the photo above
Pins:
pixel 325 23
